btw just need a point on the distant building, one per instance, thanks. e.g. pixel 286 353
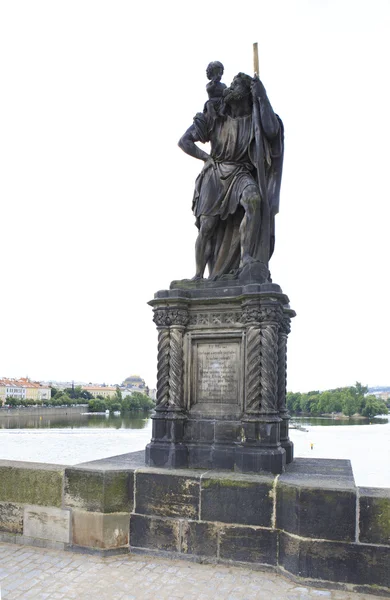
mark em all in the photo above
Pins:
pixel 382 395
pixel 23 389
pixel 100 390
pixel 134 381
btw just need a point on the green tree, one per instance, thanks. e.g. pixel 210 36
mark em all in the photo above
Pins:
pixel 350 403
pixel 137 401
pixel 373 406
pixel 112 403
pixel 325 403
pixel 97 405
pixel 12 401
pixel 78 393
pixel 293 400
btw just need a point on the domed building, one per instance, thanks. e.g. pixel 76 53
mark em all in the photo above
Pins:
pixel 134 381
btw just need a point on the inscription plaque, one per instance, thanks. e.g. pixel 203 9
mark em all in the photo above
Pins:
pixel 217 373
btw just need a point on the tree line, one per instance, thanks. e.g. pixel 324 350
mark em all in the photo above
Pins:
pixel 137 401
pixel 348 401
pixel 76 395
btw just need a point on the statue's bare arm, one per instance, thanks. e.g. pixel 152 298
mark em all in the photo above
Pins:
pixel 187 144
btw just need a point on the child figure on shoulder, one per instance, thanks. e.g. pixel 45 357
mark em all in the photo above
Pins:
pixel 215 88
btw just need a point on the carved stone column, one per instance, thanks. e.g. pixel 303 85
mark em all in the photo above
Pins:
pixel 271 315
pixel 251 319
pixel 260 448
pixel 170 323
pixel 282 384
pixel 166 447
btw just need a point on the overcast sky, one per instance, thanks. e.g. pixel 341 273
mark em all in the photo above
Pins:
pixel 96 195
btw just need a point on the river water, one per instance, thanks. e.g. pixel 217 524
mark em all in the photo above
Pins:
pixel 72 439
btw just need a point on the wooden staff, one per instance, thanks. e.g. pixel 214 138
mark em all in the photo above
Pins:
pixel 256 59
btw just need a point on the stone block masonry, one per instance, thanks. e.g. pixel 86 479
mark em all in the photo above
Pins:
pixel 311 522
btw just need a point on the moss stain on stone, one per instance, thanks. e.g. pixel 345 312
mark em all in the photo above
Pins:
pixel 116 495
pixel 31 486
pixel 381 517
pixel 232 483
pixel 84 489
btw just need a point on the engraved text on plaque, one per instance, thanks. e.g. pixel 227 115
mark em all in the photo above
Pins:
pixel 217 377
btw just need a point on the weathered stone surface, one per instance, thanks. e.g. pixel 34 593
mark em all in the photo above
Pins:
pixel 374 515
pixel 213 456
pixel 119 462
pixel 99 491
pixel 335 561
pixel 320 472
pixel 11 517
pixel 316 513
pixel 154 533
pixel 31 483
pixel 199 539
pixel 234 498
pixel 260 458
pixel 201 430
pixel 98 530
pixel 248 544
pixel 47 523
pixel 168 494
pixel 317 499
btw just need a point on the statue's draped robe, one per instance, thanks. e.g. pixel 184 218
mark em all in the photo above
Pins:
pixel 243 156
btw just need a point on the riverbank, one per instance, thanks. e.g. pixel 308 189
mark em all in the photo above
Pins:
pixel 34 411
pixel 334 416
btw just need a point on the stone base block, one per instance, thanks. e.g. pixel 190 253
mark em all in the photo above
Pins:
pixel 97 530
pixel 154 533
pixel 321 505
pixel 38 484
pixel 211 457
pixel 288 447
pixel 169 455
pixel 247 544
pixel 241 499
pixel 11 517
pixel 254 459
pixel 335 561
pixel 47 523
pixel 168 493
pixel 374 515
pixel 99 490
pixel 199 539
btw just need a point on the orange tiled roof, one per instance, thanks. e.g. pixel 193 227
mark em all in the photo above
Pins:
pixel 23 382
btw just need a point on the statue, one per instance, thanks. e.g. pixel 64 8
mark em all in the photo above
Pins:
pixel 236 194
pixel 222 340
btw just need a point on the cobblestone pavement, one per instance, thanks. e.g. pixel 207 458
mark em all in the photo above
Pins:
pixel 36 573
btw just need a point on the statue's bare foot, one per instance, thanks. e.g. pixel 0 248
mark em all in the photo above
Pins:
pixel 196 278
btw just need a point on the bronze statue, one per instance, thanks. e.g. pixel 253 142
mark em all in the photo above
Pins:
pixel 236 194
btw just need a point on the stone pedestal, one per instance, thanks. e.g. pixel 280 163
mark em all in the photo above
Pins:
pixel 221 382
